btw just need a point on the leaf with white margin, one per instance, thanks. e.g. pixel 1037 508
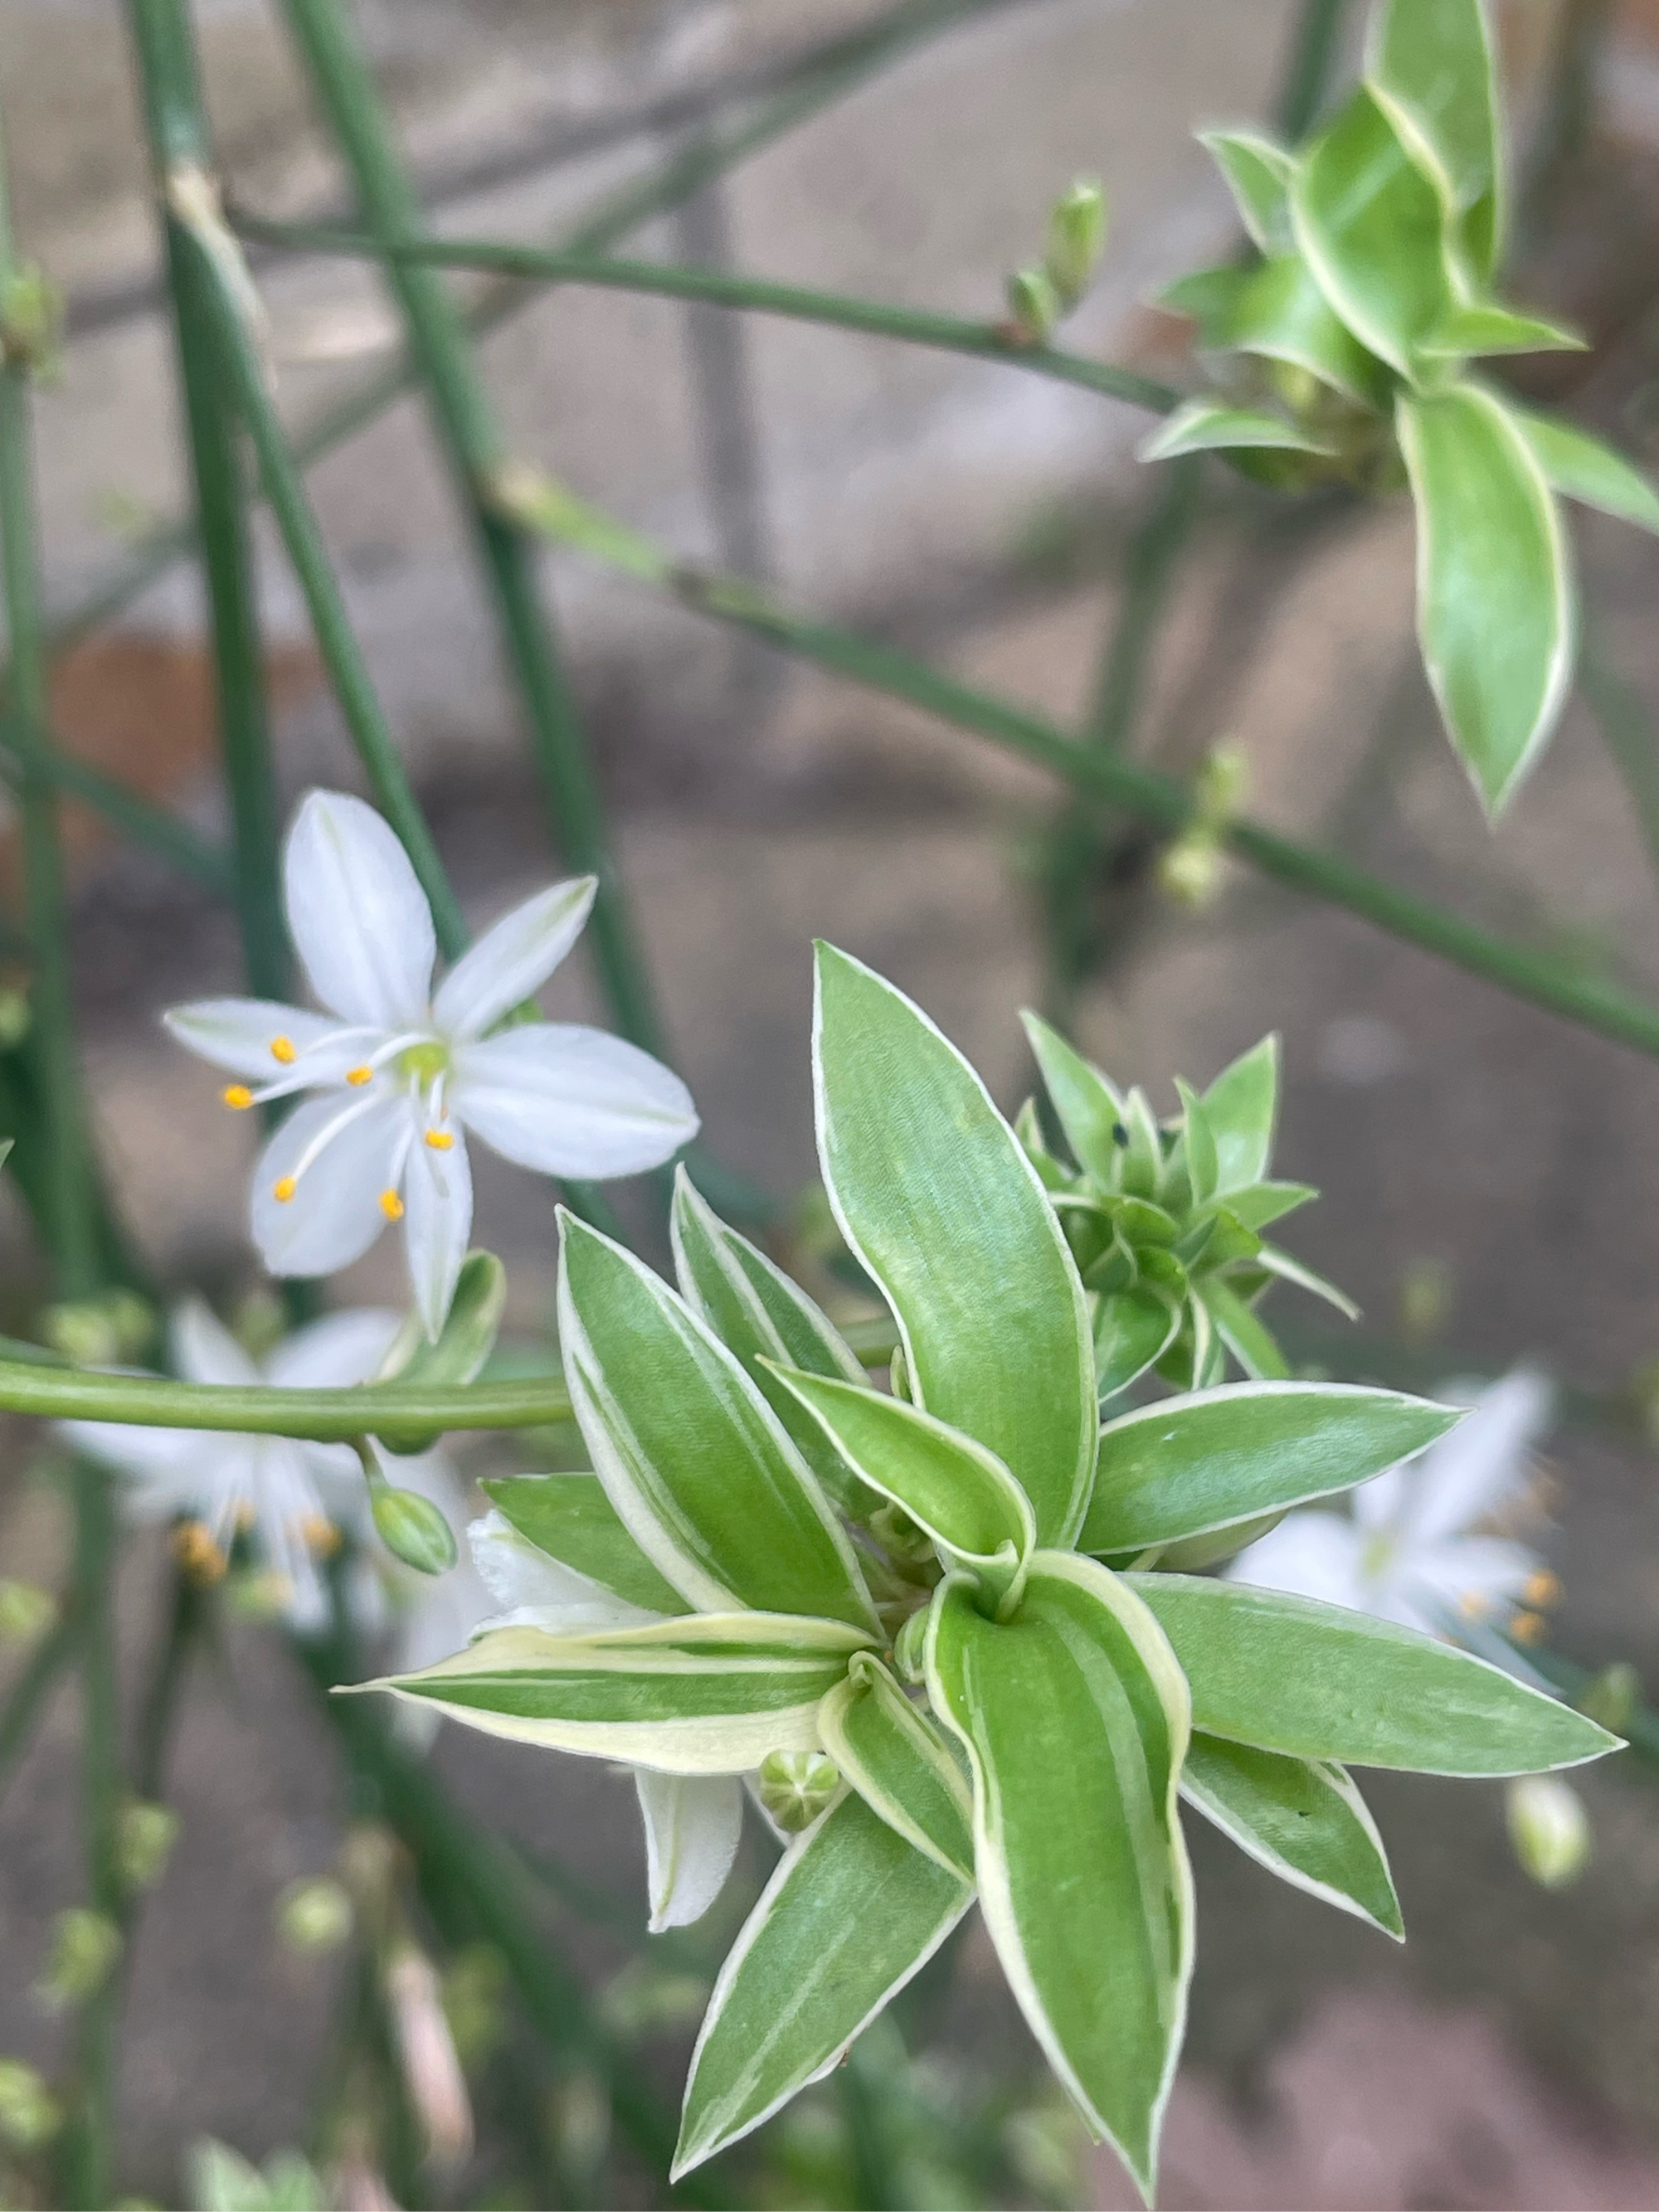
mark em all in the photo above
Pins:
pixel 941 1207
pixel 533 1590
pixel 851 1914
pixel 1431 65
pixel 1249 1340
pixel 1134 1329
pixel 1206 426
pixel 699 1469
pixel 1210 1458
pixel 890 1752
pixel 1304 1820
pixel 1258 171
pixel 1086 1102
pixel 712 1694
pixel 1584 468
pixel 1484 326
pixel 1242 1107
pixel 1290 1269
pixel 569 1518
pixel 1074 1717
pixel 1318 1681
pixel 693 1825
pixel 759 1313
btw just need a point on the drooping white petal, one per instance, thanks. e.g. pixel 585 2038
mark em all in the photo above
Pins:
pixel 1382 1499
pixel 238 1034
pixel 1310 1555
pixel 438 1220
pixel 1478 1575
pixel 335 1214
pixel 692 1826
pixel 539 1592
pixel 570 1101
pixel 511 959
pixel 356 913
pixel 333 1354
pixel 1483 1463
pixel 204 1351
pixel 173 1470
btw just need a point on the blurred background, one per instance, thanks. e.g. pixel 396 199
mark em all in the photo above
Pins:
pixel 1491 1175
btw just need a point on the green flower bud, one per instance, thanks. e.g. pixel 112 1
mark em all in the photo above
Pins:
pixel 475 1998
pixel 1189 869
pixel 1033 306
pixel 31 319
pixel 145 1837
pixel 904 1543
pixel 1549 1829
pixel 1077 234
pixel 83 1330
pixel 1610 1698
pixel 29 2116
pixel 795 1787
pixel 413 1530
pixel 27 1612
pixel 15 1019
pixel 314 1916
pixel 85 1947
pixel 910 1647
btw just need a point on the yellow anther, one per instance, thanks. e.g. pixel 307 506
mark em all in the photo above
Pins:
pixel 1542 1587
pixel 440 1139
pixel 237 1095
pixel 1475 1605
pixel 197 1552
pixel 282 1048
pixel 391 1205
pixel 1527 1628
pixel 283 1189
pixel 360 1075
pixel 319 1535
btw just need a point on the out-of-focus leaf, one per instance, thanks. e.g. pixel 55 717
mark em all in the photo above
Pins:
pixel 1205 426
pixel 1258 172
pixel 1482 327
pixel 1291 1270
pixel 1280 312
pixel 1430 65
pixel 1582 467
pixel 1242 1105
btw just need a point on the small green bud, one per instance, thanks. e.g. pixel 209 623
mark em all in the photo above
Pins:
pixel 795 1787
pixel 1549 1829
pixel 85 1947
pixel 1077 236
pixel 314 1916
pixel 27 1612
pixel 29 2115
pixel 15 1019
pixel 1425 1297
pixel 1033 306
pixel 1610 1698
pixel 413 1530
pixel 910 1647
pixel 83 1330
pixel 1189 869
pixel 1219 784
pixel 31 318
pixel 904 1543
pixel 475 2000
pixel 145 1837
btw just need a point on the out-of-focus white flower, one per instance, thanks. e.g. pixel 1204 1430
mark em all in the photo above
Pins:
pixel 1409 1552
pixel 693 1822
pixel 404 1071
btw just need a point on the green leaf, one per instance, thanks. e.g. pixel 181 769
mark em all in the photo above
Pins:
pixel 759 1313
pixel 1289 1270
pixel 1209 297
pixel 1495 601
pixel 1317 1681
pixel 1258 171
pixel 569 1518
pixel 1259 1203
pixel 1303 1819
pixel 895 1759
pixel 1583 468
pixel 1369 224
pixel 1052 1173
pixel 464 1342
pixel 700 1471
pixel 1141 1172
pixel 1199 1152
pixel 938 1203
pixel 1431 65
pixel 1132 1329
pixel 1279 312
pixel 1250 1342
pixel 1242 1107
pixel 1205 426
pixel 712 1694
pixel 960 1493
pixel 1483 326
pixel 1189 1464
pixel 851 1913
pixel 1073 1716
pixel 1086 1102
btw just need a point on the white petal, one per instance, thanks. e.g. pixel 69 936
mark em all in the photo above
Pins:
pixel 1308 1555
pixel 173 1468
pixel 541 1592
pixel 437 1221
pixel 1487 1570
pixel 357 914
pixel 511 959
pixel 204 1351
pixel 1484 1462
pixel 237 1034
pixel 335 1352
pixel 692 1826
pixel 570 1101
pixel 335 1214
pixel 1383 1498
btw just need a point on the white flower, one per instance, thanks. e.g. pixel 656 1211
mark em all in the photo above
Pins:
pixel 1408 1553
pixel 692 1821
pixel 404 1071
pixel 293 1497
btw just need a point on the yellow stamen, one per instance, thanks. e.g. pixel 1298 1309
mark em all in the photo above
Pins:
pixel 282 1048
pixel 1527 1628
pixel 246 1517
pixel 1474 1605
pixel 391 1205
pixel 197 1552
pixel 1542 1587
pixel 319 1535
pixel 360 1075
pixel 283 1190
pixel 440 1139
pixel 237 1096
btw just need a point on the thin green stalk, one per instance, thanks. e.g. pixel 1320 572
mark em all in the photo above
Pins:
pixel 188 1617
pixel 169 837
pixel 980 341
pixel 1626 730
pixel 1313 53
pixel 42 1670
